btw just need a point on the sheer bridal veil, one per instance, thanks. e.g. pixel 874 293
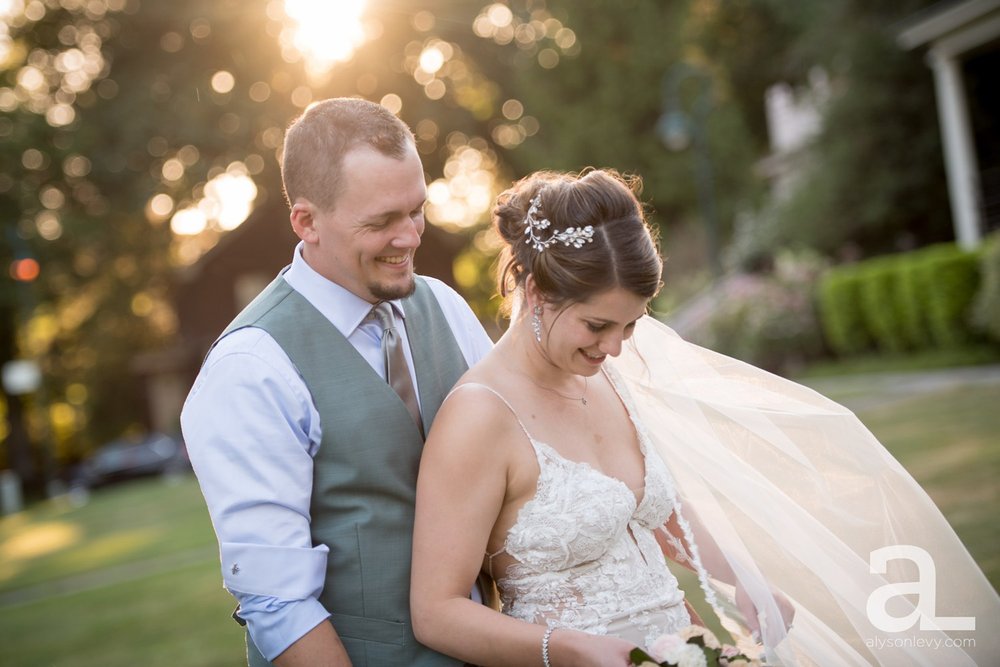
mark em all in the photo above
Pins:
pixel 801 499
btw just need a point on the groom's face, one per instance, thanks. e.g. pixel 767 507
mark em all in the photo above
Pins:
pixel 586 333
pixel 366 243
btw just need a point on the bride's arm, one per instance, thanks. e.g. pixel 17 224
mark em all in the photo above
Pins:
pixel 676 546
pixel 460 492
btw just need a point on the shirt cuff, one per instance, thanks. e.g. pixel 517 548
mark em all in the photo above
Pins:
pixel 274 625
pixel 286 573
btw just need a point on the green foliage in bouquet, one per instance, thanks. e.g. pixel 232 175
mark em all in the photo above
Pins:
pixel 693 646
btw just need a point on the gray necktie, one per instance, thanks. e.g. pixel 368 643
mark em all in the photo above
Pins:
pixel 396 371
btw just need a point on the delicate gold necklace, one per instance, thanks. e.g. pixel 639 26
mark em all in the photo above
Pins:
pixel 582 399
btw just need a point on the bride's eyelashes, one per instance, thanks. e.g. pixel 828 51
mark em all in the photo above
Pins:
pixel 598 328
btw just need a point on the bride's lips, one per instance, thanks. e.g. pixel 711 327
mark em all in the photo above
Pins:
pixel 592 359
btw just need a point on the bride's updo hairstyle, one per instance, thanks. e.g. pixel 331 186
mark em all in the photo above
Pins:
pixel 618 251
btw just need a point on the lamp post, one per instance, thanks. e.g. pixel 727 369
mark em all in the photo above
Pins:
pixel 679 129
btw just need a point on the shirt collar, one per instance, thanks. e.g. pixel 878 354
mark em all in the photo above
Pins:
pixel 344 309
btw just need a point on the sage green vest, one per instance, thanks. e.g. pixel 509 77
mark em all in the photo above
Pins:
pixel 365 472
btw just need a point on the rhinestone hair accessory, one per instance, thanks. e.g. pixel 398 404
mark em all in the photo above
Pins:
pixel 534 222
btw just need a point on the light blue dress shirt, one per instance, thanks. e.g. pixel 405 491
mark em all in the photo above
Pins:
pixel 252 430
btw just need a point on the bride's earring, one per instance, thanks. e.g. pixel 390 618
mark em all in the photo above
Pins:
pixel 536 322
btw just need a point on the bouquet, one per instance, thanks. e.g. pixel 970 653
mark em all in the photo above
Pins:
pixel 694 646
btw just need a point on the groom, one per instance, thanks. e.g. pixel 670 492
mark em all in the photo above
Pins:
pixel 306 454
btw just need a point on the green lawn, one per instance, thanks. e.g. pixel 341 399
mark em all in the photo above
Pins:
pixel 132 577
pixel 121 524
pixel 950 442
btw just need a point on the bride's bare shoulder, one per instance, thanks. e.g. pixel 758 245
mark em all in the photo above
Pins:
pixel 476 409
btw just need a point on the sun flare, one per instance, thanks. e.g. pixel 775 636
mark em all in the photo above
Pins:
pixel 325 32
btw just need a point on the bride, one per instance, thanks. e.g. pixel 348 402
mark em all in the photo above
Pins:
pixel 592 445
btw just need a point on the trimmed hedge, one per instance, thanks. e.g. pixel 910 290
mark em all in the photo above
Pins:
pixel 951 276
pixel 986 309
pixel 841 317
pixel 911 301
pixel 880 308
pixel 910 291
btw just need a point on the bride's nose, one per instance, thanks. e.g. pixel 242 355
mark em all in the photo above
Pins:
pixel 611 344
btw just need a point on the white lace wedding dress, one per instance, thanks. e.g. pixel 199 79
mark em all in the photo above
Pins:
pixel 585 550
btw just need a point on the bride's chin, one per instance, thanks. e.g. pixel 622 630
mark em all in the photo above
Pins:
pixel 588 367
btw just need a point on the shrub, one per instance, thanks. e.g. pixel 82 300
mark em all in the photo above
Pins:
pixel 986 306
pixel 880 303
pixel 951 277
pixel 911 300
pixel 841 317
pixel 769 319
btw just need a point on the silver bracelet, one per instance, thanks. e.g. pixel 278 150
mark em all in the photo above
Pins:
pixel 545 647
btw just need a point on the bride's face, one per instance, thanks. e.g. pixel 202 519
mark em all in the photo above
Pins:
pixel 579 337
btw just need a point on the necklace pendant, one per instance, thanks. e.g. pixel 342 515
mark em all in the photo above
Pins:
pixel 583 400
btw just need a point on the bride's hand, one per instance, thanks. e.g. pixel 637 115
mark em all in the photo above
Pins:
pixel 749 610
pixel 579 649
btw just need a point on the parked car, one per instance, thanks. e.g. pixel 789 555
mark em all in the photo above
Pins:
pixel 153 454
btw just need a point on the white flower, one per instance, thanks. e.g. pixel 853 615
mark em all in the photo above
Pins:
pixel 691 656
pixel 666 647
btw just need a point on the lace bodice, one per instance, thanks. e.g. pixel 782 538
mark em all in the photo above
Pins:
pixel 585 551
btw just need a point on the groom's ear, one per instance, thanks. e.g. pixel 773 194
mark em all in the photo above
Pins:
pixel 303 219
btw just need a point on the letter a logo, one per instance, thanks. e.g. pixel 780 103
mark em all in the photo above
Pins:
pixel 925 588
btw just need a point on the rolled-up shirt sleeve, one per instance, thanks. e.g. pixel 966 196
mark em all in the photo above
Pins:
pixel 251 432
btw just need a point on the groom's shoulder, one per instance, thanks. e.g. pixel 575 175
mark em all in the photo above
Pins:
pixel 454 306
pixel 441 290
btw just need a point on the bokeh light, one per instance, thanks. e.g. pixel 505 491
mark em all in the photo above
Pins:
pixel 223 81
pixel 226 203
pixel 188 222
pixel 159 207
pixel 47 82
pixel 540 33
pixel 172 170
pixel 234 192
pixel 392 102
pixel 463 197
pixel 25 270
pixel 48 224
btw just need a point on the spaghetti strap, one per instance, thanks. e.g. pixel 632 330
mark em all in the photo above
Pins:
pixel 498 395
pixel 489 560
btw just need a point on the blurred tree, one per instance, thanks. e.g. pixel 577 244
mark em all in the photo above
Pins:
pixel 121 119
pixel 600 105
pixel 874 181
